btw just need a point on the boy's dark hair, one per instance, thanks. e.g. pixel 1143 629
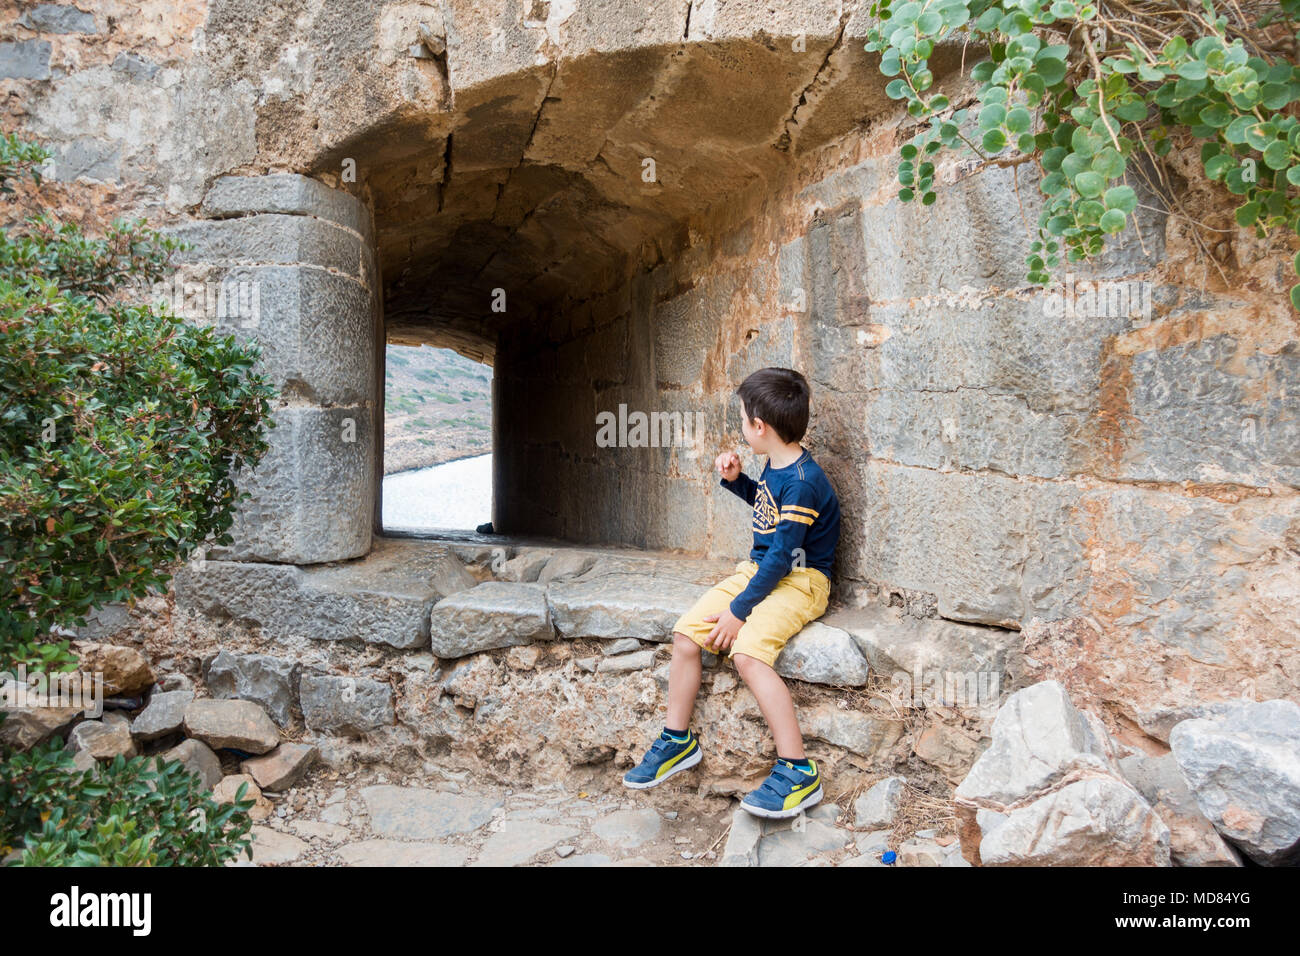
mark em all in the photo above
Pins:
pixel 779 396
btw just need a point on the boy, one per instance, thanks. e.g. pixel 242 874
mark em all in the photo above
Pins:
pixel 783 586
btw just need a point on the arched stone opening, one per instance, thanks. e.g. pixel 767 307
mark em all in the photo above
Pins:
pixel 575 224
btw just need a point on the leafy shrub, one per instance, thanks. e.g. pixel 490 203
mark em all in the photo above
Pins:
pixel 122 428
pixel 137 812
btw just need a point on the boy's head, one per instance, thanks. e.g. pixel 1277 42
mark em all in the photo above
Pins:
pixel 774 407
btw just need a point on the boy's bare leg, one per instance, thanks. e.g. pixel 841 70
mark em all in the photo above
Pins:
pixel 683 681
pixel 774 701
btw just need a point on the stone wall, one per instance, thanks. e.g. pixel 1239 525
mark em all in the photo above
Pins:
pixel 999 460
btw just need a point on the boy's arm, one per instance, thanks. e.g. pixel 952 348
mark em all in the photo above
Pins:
pixel 797 513
pixel 744 486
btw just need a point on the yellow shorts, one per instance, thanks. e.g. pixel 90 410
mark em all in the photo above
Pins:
pixel 798 598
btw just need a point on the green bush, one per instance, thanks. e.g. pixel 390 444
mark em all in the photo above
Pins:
pixel 137 812
pixel 122 430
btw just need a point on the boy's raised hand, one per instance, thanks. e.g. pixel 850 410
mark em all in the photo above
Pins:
pixel 728 464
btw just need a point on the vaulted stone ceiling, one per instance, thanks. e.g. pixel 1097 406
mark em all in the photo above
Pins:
pixel 540 182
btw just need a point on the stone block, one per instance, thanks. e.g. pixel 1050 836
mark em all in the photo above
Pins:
pixel 993 550
pixel 164 714
pixel 287 193
pixel 820 654
pixel 620 606
pixel 238 724
pixel 58 18
pixel 197 758
pixel 25 60
pixel 345 705
pixel 1243 768
pixel 272 239
pixel 312 493
pixel 911 651
pixel 265 680
pixel 383 598
pixel 315 329
pixel 282 767
pixel 493 614
pixel 1200 414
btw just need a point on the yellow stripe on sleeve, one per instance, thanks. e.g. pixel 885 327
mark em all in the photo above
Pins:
pixel 802 519
pixel 807 511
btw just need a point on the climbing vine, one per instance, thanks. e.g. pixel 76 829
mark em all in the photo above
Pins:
pixel 1087 89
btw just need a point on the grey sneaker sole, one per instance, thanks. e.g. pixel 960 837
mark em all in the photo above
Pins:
pixel 782 814
pixel 686 764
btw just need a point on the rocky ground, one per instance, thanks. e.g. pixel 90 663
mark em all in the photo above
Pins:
pixel 459 703
pixel 450 819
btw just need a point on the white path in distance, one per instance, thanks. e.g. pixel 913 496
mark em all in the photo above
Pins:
pixel 456 495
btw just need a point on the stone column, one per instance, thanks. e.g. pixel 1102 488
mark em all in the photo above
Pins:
pixel 296 263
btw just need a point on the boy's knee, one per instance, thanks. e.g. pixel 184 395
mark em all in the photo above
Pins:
pixel 746 666
pixel 684 644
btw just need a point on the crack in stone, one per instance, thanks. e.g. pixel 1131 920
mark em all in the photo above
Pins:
pixel 523 156
pixel 786 140
pixel 446 172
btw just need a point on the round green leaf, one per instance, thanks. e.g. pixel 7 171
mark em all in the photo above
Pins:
pixel 1073 165
pixel 1122 198
pixel 1052 157
pixel 1018 120
pixel 1112 221
pixel 1090 212
pixel 1089 184
pixel 1058 224
pixel 1052 183
pixel 1108 162
pixel 992 116
pixel 1277 155
pixel 1217 115
pixel 1274 96
pixel 994 141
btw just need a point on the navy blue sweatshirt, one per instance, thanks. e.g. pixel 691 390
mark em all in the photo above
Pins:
pixel 794 507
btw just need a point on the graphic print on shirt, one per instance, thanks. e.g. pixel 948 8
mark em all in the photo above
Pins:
pixel 765 513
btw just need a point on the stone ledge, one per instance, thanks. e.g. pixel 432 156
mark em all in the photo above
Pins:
pixel 287 193
pixel 383 599
pixel 272 239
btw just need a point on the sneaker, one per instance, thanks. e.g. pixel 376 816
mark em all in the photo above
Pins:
pixel 664 758
pixel 786 792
